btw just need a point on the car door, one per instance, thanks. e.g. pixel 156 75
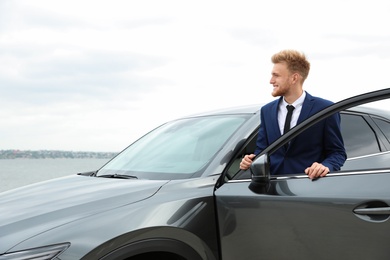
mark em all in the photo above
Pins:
pixel 344 215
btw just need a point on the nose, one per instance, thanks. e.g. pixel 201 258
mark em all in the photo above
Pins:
pixel 272 81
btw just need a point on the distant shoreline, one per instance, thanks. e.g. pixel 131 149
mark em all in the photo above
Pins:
pixel 52 154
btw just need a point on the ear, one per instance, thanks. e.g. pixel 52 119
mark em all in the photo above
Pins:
pixel 296 77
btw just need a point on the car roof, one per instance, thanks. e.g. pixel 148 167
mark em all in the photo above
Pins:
pixel 371 110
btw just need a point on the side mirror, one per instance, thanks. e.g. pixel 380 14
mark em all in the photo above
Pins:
pixel 260 174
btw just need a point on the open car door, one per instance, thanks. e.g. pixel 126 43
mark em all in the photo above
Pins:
pixel 344 215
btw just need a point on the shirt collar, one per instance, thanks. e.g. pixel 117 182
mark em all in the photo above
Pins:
pixel 297 102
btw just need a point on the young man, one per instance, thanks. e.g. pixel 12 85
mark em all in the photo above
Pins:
pixel 316 151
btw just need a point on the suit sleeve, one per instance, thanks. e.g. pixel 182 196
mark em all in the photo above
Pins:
pixel 334 149
pixel 262 141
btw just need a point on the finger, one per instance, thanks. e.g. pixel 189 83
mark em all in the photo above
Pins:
pixel 244 165
pixel 319 171
pixel 325 172
pixel 248 158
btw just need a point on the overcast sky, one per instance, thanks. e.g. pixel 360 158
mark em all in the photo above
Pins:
pixel 87 75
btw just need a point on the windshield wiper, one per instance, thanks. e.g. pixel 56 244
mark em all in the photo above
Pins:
pixel 119 176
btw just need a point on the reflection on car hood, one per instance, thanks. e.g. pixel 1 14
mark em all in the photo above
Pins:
pixel 33 209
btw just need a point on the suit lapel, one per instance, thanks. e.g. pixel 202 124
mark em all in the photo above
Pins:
pixel 306 108
pixel 305 111
pixel 275 130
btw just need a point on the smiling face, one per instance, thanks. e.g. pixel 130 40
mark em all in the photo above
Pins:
pixel 282 80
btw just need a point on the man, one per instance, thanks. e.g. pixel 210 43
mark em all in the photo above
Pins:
pixel 317 150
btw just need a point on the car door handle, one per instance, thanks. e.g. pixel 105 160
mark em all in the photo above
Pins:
pixel 373 211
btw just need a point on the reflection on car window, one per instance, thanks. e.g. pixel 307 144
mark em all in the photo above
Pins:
pixel 179 149
pixel 384 126
pixel 359 138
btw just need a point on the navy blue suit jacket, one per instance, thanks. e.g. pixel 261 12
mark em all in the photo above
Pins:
pixel 320 143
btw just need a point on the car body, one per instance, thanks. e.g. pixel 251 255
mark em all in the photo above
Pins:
pixel 178 193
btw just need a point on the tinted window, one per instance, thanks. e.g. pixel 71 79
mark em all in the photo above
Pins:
pixel 359 138
pixel 384 126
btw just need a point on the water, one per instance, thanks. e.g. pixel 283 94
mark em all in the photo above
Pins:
pixel 16 173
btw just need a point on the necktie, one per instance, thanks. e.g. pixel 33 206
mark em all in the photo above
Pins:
pixel 290 109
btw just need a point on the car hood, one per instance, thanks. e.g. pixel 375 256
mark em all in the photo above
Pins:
pixel 33 209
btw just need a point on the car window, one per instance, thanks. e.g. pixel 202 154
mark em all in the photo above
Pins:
pixel 359 137
pixel 384 126
pixel 176 150
pixel 234 167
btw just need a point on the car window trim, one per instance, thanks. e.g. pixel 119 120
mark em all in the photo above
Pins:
pixel 331 174
pixel 368 155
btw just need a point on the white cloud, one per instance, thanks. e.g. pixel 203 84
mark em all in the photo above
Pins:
pixel 95 75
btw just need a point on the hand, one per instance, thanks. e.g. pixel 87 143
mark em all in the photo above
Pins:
pixel 316 170
pixel 246 161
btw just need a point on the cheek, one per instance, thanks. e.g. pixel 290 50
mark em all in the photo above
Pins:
pixel 282 82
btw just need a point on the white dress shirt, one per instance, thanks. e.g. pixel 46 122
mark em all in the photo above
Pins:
pixel 282 112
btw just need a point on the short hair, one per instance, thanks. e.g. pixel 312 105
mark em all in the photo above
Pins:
pixel 295 60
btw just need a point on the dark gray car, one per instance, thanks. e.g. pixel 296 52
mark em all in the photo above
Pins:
pixel 178 193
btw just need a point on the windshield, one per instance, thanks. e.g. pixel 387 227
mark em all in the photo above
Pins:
pixel 176 150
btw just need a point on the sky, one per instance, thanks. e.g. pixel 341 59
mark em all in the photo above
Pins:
pixel 83 75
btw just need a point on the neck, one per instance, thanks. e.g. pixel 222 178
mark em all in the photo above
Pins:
pixel 293 96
